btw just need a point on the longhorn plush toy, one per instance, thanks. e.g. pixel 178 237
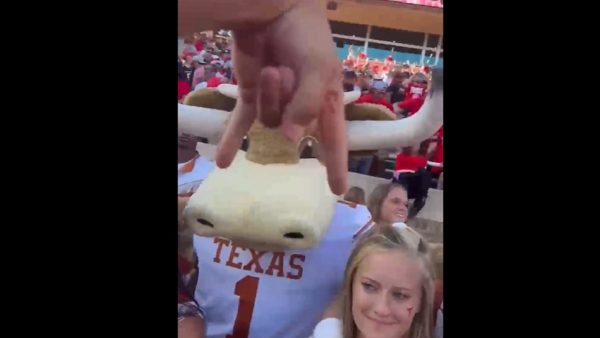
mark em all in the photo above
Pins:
pixel 269 197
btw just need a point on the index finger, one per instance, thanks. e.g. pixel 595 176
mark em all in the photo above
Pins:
pixel 332 124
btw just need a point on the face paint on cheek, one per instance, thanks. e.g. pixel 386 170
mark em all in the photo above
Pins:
pixel 410 310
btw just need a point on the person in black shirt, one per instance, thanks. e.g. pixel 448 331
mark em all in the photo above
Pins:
pixel 395 91
pixel 188 68
pixel 350 81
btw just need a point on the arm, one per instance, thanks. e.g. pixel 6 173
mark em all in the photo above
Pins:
pixel 199 15
pixel 190 320
pixel 191 327
pixel 388 96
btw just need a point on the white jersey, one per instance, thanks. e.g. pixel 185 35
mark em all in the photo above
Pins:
pixel 438 332
pixel 252 294
pixel 260 294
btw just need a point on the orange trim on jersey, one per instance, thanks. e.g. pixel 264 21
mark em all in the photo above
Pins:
pixel 350 204
pixel 364 228
pixel 189 165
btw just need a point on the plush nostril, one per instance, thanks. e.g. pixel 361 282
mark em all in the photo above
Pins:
pixel 295 235
pixel 205 222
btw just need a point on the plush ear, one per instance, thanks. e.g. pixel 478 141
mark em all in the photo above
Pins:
pixel 209 98
pixel 368 112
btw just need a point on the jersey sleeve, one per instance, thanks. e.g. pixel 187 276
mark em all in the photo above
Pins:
pixel 189 182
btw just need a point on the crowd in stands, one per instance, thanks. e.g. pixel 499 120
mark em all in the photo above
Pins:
pixel 204 63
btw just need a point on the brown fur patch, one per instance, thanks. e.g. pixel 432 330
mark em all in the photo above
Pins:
pixel 209 98
pixel 367 111
pixel 270 146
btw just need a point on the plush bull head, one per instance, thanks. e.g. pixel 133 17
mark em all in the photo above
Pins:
pixel 269 197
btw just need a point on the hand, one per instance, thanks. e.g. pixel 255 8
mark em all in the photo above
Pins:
pixel 290 77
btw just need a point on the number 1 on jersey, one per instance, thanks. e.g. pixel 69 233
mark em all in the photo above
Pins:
pixel 245 288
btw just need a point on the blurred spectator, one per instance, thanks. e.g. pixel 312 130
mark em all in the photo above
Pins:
pixel 408 107
pixel 188 47
pixel 417 87
pixel 408 162
pixel 410 170
pixel 200 38
pixel 414 96
pixel 355 195
pixel 395 91
pixel 183 85
pixel 406 68
pixel 210 78
pixel 198 63
pixel 377 95
pixel 349 81
pixel 188 68
pixel 364 82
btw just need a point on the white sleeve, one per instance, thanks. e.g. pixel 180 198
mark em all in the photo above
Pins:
pixel 439 324
pixel 200 85
pixel 328 328
pixel 364 215
pixel 365 222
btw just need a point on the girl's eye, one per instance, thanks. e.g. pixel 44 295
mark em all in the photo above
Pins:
pixel 368 287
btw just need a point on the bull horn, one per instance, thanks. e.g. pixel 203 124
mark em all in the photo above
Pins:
pixel 209 98
pixel 231 91
pixel 200 121
pixel 374 135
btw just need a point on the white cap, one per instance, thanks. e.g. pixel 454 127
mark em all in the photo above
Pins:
pixel 378 85
pixel 199 58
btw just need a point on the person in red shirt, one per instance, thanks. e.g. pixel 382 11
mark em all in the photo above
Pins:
pixel 210 79
pixel 211 76
pixel 377 95
pixel 406 162
pixel 199 44
pixel 213 82
pixel 183 85
pixel 417 87
pixel 414 96
pixel 409 107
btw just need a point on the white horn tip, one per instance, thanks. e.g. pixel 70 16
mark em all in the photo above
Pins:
pixel 228 90
pixel 352 96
